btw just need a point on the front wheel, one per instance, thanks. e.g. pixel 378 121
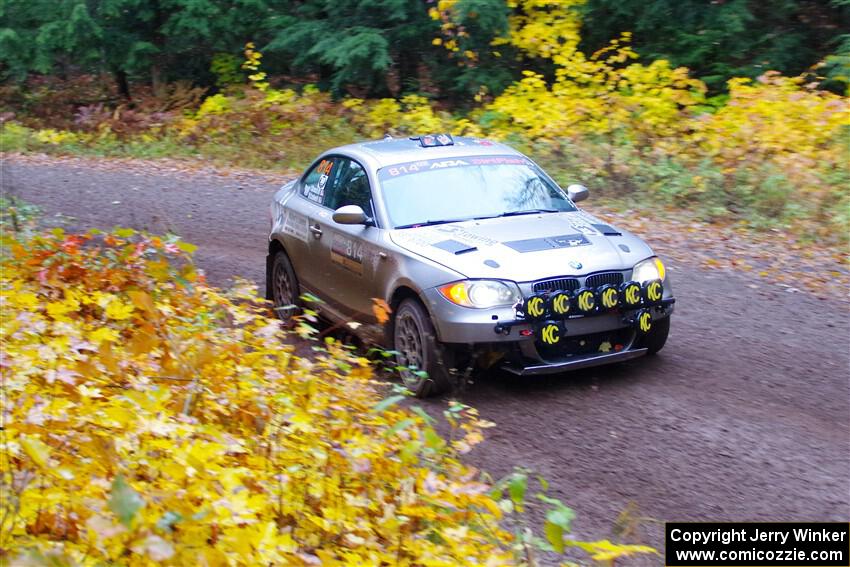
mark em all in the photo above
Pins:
pixel 425 363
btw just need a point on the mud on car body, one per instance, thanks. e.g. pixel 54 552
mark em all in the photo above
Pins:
pixel 475 249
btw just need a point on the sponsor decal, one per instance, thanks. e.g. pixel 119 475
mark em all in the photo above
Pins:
pixel 295 225
pixel 631 294
pixel 348 253
pixel 586 300
pixel 535 307
pixel 584 228
pixel 560 303
pixel 550 333
pixel 644 321
pixel 427 165
pixel 570 240
pixel 466 237
pixel 609 297
pixel 316 193
pixel 548 243
pixel 654 291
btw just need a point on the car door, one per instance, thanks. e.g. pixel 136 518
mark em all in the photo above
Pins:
pixel 301 226
pixel 347 253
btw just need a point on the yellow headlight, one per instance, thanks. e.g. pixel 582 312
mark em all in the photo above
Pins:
pixel 662 271
pixel 456 293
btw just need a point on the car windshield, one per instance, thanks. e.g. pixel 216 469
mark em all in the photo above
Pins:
pixel 465 188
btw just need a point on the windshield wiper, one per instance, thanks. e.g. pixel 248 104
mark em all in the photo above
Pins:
pixel 431 223
pixel 517 213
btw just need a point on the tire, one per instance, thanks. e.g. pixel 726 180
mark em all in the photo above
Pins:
pixel 657 335
pixel 416 342
pixel 283 284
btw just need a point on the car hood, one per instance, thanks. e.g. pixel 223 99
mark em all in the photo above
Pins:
pixel 527 247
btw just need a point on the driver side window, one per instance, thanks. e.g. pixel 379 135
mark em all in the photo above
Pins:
pixel 317 183
pixel 350 187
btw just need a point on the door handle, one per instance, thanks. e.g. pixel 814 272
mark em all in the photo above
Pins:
pixel 317 232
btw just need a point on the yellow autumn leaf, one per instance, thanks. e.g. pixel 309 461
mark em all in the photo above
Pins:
pixel 119 310
pixel 142 300
pixel 59 309
pixel 381 310
pixel 36 450
pixel 27 300
pixel 103 334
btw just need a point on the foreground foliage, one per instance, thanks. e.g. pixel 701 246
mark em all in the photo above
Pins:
pixel 149 418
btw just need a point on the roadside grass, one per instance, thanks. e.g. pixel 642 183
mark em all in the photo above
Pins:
pixel 757 199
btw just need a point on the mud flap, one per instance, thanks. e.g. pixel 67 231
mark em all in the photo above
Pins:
pixel 269 260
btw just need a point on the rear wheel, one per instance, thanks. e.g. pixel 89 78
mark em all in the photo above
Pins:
pixel 425 362
pixel 284 287
pixel 656 337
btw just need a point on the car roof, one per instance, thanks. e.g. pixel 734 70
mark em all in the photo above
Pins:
pixel 391 151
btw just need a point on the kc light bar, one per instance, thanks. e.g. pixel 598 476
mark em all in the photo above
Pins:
pixel 586 301
pixel 550 310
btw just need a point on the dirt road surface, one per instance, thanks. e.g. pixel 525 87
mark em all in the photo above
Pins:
pixel 745 415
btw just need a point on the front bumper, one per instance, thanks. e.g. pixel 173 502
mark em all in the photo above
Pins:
pixel 576 363
pixel 583 340
pixel 462 325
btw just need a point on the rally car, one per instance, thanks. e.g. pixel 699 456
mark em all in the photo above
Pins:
pixel 475 253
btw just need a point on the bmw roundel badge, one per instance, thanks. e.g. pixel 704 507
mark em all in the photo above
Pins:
pixel 575 265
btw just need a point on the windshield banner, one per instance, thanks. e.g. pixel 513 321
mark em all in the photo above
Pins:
pixel 462 161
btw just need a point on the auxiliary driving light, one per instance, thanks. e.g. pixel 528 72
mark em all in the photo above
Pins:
pixel 586 300
pixel 609 297
pixel 549 333
pixel 653 290
pixel 560 303
pixel 631 295
pixel 535 307
pixel 643 321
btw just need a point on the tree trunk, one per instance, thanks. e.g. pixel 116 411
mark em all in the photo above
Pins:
pixel 122 84
pixel 156 79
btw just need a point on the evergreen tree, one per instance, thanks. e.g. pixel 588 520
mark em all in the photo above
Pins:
pixel 377 46
pixel 718 40
pixel 158 40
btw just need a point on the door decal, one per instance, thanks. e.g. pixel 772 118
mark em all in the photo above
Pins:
pixel 348 253
pixel 295 226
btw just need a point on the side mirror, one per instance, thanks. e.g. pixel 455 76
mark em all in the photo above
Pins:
pixel 577 193
pixel 350 214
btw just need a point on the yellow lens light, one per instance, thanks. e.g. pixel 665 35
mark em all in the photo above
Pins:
pixel 550 334
pixel 662 271
pixel 654 291
pixel 456 293
pixel 631 294
pixel 644 321
pixel 586 301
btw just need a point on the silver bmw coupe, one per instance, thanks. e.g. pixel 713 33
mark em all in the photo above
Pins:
pixel 476 254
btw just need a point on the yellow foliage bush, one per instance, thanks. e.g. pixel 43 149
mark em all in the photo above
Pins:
pixel 775 118
pixel 55 137
pixel 152 419
pixel 413 114
pixel 597 95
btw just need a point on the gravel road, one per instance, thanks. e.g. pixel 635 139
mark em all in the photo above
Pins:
pixel 745 415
